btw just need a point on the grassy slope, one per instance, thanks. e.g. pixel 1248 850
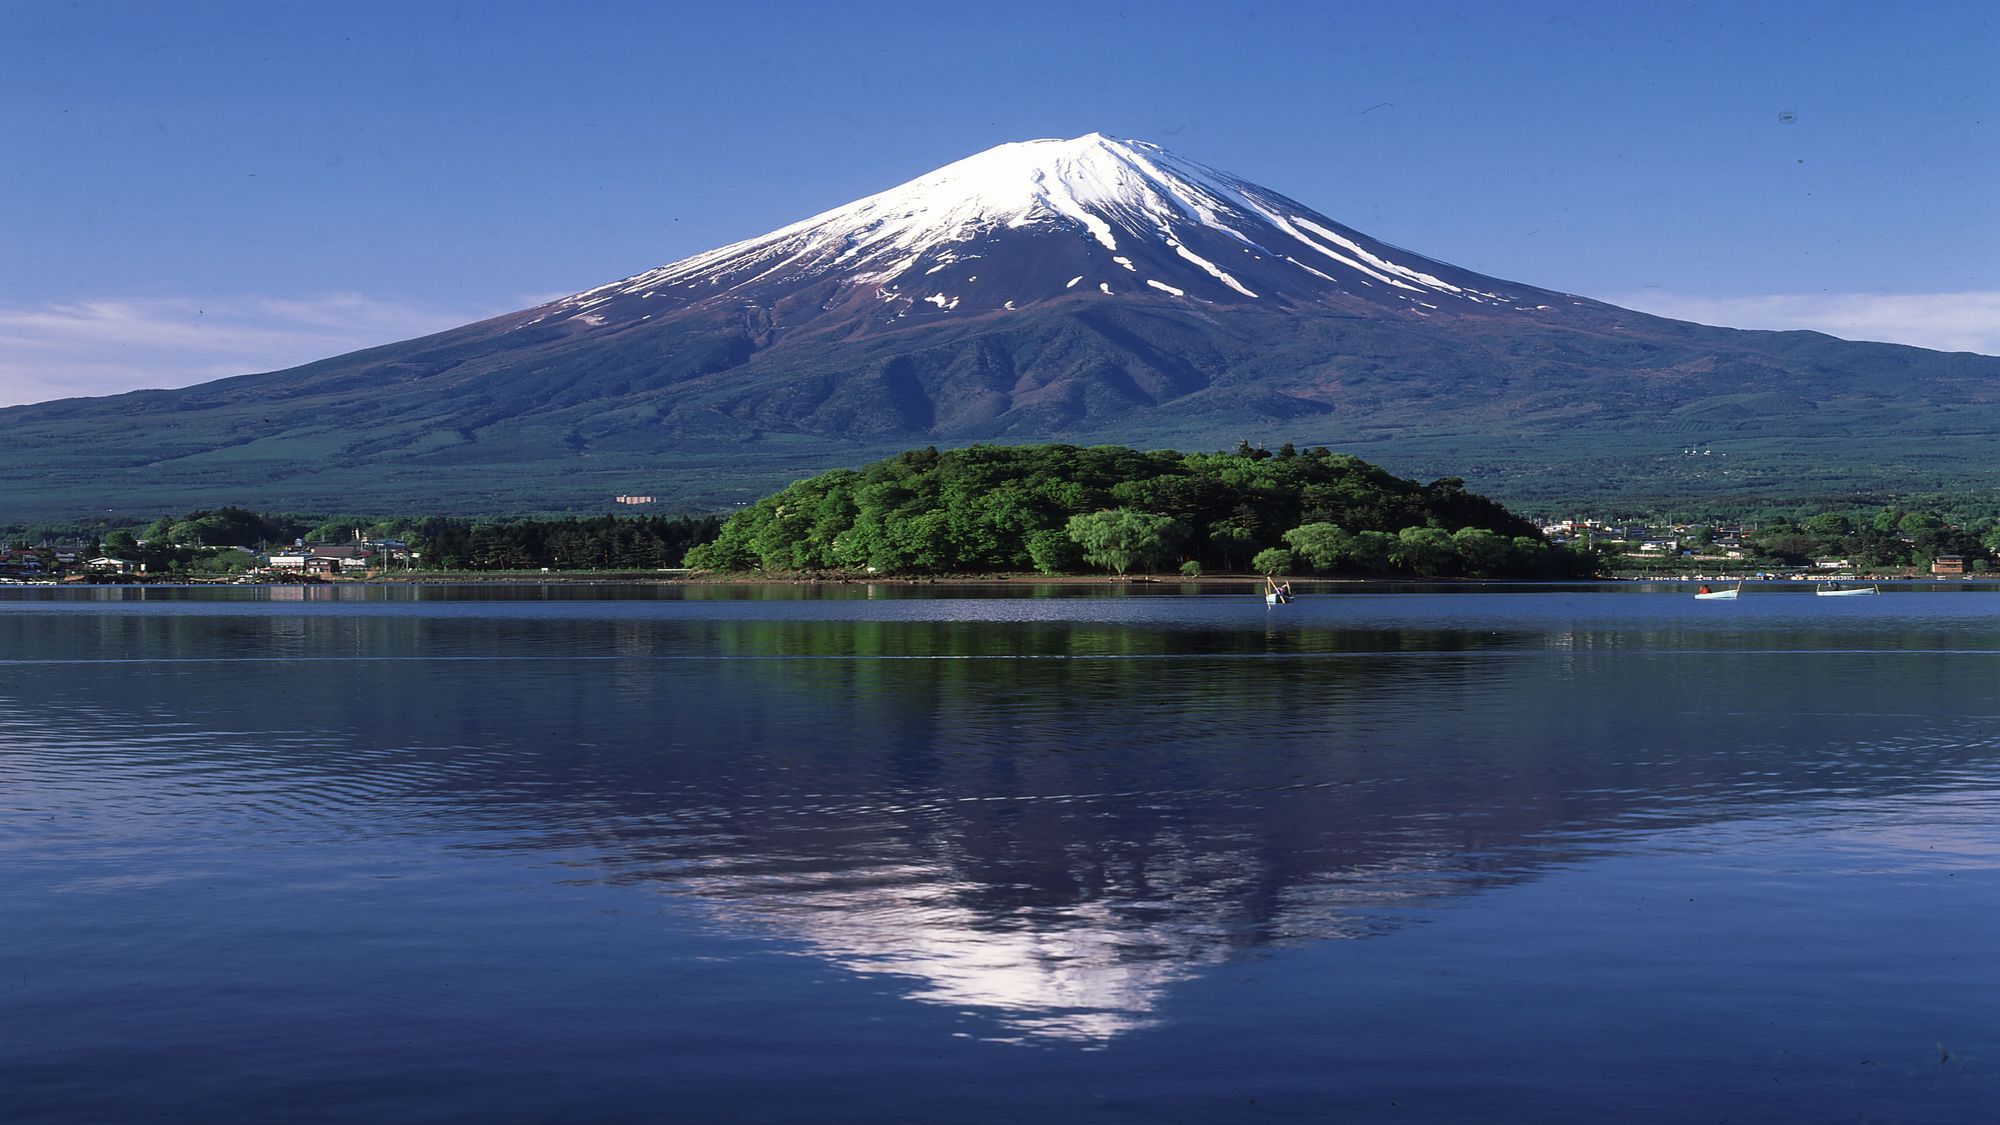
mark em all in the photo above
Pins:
pixel 714 411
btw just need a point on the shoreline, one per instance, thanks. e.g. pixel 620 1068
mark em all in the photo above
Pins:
pixel 691 578
pixel 712 579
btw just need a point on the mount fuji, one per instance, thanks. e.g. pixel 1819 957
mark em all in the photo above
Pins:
pixel 1086 290
pixel 1041 221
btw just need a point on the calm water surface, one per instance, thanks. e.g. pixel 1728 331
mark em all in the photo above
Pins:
pixel 578 854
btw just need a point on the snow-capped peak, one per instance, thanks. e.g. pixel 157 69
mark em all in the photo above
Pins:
pixel 1121 216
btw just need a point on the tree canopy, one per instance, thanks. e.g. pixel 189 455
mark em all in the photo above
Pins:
pixel 1890 537
pixel 1065 508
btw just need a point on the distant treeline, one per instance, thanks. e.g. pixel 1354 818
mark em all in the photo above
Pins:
pixel 597 543
pixel 176 543
pixel 1066 509
pixel 1890 537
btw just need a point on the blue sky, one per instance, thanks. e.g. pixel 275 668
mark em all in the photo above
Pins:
pixel 194 190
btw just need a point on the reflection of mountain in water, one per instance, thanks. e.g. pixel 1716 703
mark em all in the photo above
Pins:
pixel 1088 972
pixel 1050 819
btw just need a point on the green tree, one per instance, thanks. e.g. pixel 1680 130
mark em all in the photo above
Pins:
pixel 1448 504
pixel 222 562
pixel 1121 538
pixel 1425 550
pixel 1272 560
pixel 719 555
pixel 1054 552
pixel 1373 552
pixel 1481 553
pixel 1916 524
pixel 1231 539
pixel 1323 546
pixel 1789 547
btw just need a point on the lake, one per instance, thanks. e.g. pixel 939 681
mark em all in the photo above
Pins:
pixel 1137 853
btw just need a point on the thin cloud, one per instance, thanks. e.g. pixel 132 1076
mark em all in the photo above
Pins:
pixel 103 347
pixel 1951 322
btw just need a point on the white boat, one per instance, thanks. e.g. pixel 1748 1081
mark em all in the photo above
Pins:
pixel 1832 591
pixel 1275 594
pixel 1707 595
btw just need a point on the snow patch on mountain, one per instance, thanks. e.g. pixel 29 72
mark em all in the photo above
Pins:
pixel 1087 201
pixel 1205 264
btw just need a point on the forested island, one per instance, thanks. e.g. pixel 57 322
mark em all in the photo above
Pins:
pixel 1065 509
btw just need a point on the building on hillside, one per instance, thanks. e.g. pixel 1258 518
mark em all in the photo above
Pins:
pixel 1948 564
pixel 305 562
pixel 349 554
pixel 323 558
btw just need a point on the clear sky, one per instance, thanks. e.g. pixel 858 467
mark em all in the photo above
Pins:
pixel 191 190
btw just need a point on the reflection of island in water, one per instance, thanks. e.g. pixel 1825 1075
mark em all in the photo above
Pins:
pixel 1051 822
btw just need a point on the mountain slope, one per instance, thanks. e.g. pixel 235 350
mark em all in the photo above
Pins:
pixel 1087 289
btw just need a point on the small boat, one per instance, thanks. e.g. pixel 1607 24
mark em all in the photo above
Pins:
pixel 1833 590
pixel 1707 595
pixel 1275 594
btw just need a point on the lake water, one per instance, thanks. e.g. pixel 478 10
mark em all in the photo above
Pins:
pixel 898 853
